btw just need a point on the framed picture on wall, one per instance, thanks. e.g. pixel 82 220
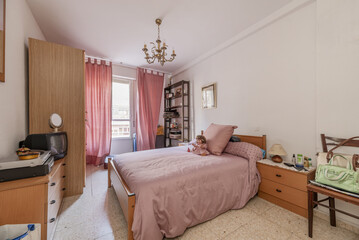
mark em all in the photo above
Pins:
pixel 209 96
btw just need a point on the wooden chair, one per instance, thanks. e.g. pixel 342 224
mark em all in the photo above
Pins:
pixel 313 190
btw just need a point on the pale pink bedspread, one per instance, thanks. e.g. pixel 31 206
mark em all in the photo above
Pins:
pixel 176 189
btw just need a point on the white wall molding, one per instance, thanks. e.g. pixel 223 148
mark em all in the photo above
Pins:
pixel 292 6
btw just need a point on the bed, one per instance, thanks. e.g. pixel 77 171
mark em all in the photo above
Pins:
pixel 164 191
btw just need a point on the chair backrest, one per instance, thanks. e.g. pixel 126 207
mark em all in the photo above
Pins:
pixel 339 142
pixel 335 141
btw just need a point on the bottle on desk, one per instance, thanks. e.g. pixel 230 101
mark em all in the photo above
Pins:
pixel 300 161
pixel 294 159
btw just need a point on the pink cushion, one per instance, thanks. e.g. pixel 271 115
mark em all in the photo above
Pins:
pixel 217 137
pixel 245 150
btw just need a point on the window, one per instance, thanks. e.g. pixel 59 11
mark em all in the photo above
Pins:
pixel 121 108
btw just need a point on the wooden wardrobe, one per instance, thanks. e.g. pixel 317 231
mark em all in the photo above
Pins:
pixel 57 85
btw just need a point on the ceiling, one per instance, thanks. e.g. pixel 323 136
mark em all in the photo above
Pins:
pixel 117 29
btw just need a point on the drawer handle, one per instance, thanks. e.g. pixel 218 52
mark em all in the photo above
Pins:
pixel 53 202
pixel 52 184
pixel 63 189
pixel 64 164
pixel 278 190
pixel 52 220
pixel 278 175
pixel 63 176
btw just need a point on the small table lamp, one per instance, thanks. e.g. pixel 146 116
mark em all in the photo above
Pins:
pixel 277 150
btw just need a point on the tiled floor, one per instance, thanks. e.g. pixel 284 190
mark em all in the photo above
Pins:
pixel 97 215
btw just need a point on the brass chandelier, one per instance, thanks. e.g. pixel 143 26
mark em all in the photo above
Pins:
pixel 157 51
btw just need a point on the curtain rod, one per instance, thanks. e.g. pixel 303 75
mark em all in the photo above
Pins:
pixel 126 65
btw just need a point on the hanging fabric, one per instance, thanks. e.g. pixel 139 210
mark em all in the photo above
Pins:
pixel 98 110
pixel 149 95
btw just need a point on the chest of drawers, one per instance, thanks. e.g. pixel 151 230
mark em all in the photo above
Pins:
pixel 284 187
pixel 34 200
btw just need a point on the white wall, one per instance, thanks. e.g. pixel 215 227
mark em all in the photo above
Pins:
pixel 20 25
pixel 338 75
pixel 337 67
pixel 265 83
pixel 293 79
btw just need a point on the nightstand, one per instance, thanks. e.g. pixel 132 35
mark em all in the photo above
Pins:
pixel 285 186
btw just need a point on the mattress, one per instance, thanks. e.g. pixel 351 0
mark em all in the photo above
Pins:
pixel 176 189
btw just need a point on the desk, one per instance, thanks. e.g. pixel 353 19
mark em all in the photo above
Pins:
pixel 312 201
pixel 34 200
pixel 284 186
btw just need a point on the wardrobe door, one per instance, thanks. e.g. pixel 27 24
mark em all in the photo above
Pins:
pixel 57 85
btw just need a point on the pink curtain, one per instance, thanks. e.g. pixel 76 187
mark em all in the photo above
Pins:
pixel 99 113
pixel 150 89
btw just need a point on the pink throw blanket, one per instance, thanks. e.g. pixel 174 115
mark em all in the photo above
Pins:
pixel 176 189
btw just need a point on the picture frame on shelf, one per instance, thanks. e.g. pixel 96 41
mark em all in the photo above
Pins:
pixel 178 92
pixel 209 96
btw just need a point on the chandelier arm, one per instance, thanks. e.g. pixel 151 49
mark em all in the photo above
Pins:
pixel 153 50
pixel 150 61
pixel 170 59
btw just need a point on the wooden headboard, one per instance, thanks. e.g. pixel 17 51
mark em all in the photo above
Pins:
pixel 255 140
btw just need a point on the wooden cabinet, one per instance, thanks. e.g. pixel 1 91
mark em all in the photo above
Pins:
pixel 34 200
pixel 57 85
pixel 284 187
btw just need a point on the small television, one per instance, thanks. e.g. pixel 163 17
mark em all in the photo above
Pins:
pixel 55 142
